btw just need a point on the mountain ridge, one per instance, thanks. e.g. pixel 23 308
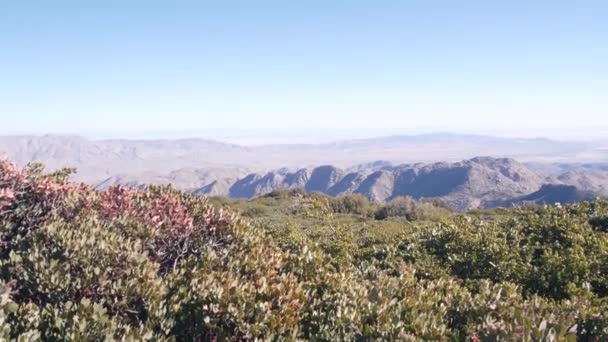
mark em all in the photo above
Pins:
pixel 481 182
pixel 148 155
pixel 381 168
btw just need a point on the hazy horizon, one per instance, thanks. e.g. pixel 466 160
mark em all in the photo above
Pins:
pixel 304 135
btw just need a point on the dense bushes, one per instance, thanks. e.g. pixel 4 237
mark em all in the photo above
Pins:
pixel 157 264
pixel 351 204
pixel 404 207
pixel 599 223
pixel 412 210
pixel 548 253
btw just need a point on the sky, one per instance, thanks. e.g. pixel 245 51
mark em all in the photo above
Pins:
pixel 125 67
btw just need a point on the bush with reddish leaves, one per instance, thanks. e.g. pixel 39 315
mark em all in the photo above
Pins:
pixel 159 264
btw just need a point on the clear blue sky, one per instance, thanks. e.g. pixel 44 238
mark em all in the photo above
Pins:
pixel 119 66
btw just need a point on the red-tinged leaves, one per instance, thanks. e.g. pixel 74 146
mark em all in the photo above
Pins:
pixel 159 264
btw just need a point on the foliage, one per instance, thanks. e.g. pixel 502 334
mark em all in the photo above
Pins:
pixel 158 264
pixel 356 204
pixel 411 209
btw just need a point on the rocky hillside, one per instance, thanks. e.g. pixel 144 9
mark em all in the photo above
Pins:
pixel 215 168
pixel 480 182
pixel 551 194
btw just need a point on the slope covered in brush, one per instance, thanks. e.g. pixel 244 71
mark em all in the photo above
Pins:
pixel 158 264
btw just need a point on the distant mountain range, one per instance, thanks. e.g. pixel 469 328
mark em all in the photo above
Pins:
pixel 552 171
pixel 481 182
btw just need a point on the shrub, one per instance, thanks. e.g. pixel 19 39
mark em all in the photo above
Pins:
pixel 285 193
pixel 350 204
pixel 599 223
pixel 412 210
pixel 254 210
pixel 159 264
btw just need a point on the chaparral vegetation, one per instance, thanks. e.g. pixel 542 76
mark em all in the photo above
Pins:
pixel 159 264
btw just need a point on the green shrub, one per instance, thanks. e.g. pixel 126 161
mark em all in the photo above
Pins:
pixel 412 210
pixel 254 210
pixel 350 204
pixel 599 223
pixel 159 264
pixel 285 193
